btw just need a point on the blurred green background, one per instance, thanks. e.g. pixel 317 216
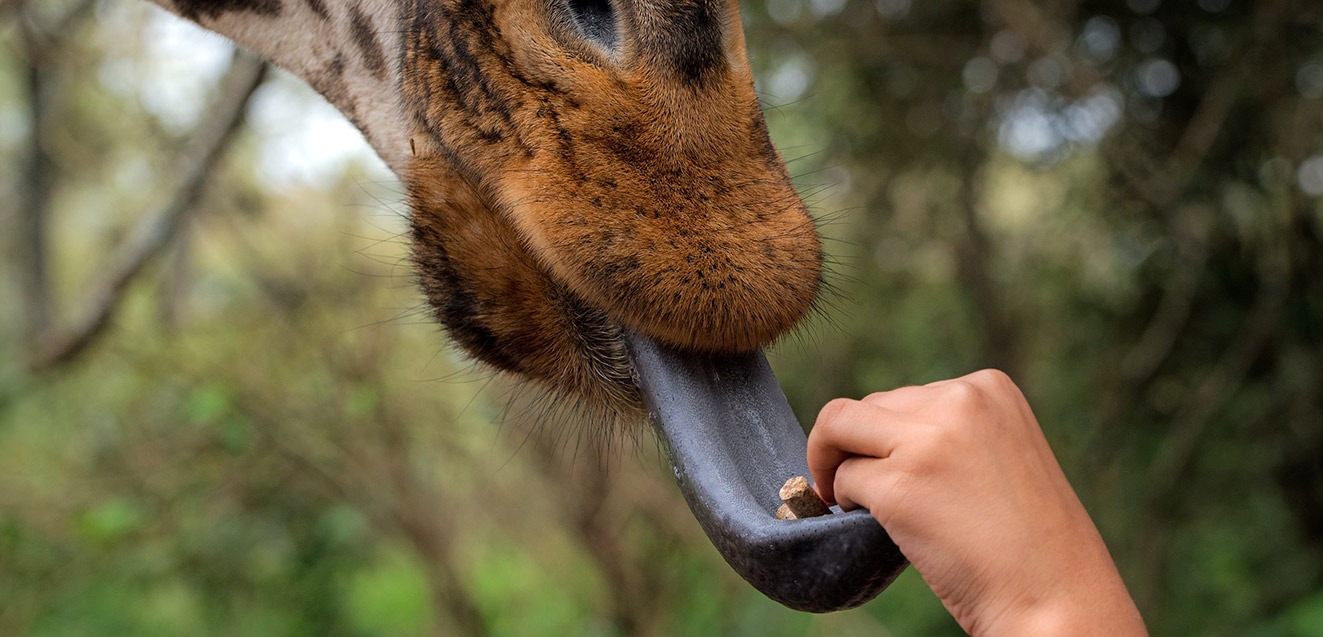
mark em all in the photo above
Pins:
pixel 224 411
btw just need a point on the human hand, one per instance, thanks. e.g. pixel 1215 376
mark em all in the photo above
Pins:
pixel 961 477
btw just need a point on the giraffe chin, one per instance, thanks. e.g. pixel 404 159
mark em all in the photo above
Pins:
pixel 733 441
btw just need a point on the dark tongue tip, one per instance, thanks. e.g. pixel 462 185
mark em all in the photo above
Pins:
pixel 733 442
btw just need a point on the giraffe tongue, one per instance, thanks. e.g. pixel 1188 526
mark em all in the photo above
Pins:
pixel 733 442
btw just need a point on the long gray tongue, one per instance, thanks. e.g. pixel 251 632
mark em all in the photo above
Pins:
pixel 733 442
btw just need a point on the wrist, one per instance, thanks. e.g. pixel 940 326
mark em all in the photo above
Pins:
pixel 1109 613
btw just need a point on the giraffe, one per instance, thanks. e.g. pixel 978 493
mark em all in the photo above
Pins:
pixel 596 206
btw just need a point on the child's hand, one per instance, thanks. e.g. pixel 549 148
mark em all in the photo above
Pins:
pixel 961 477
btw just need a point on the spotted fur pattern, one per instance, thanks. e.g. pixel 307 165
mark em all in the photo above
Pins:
pixel 575 169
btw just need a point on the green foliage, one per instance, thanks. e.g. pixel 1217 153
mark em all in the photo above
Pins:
pixel 390 597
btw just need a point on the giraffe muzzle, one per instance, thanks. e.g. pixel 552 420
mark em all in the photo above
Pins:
pixel 732 441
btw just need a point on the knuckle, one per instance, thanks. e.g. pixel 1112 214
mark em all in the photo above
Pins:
pixel 876 397
pixel 963 395
pixel 997 382
pixel 831 417
pixel 999 392
pixel 982 389
pixel 991 378
pixel 831 413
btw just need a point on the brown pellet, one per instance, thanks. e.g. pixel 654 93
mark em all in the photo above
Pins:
pixel 801 501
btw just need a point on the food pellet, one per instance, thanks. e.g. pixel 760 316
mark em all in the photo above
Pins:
pixel 801 501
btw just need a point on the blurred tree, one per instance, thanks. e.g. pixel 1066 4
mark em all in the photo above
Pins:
pixel 1158 294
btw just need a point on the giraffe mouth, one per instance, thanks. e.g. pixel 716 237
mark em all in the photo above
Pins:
pixel 564 198
pixel 732 440
pixel 731 437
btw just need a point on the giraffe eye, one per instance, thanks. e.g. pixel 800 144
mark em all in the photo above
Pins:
pixel 596 20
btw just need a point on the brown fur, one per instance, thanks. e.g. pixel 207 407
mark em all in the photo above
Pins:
pixel 562 190
pixel 501 306
pixel 576 168
pixel 637 187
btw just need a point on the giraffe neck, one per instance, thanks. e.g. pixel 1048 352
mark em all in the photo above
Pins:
pixel 346 50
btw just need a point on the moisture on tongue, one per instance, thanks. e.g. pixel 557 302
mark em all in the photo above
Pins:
pixel 732 440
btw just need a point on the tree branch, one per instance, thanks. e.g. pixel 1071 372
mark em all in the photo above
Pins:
pixel 1176 454
pixel 218 126
pixel 1177 449
pixel 35 185
pixel 1197 139
pixel 37 171
pixel 1173 311
pixel 974 266
pixel 41 41
pixel 1163 183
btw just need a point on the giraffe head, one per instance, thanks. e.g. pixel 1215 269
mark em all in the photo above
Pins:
pixel 586 167
pixel 590 173
pixel 596 206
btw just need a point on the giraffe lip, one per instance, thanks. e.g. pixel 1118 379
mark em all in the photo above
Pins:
pixel 733 441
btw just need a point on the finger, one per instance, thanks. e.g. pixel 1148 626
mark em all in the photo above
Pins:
pixel 863 482
pixel 847 428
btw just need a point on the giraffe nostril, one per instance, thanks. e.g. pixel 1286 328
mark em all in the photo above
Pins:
pixel 596 20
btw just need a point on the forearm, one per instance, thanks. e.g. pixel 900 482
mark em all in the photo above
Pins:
pixel 1100 606
pixel 1070 587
